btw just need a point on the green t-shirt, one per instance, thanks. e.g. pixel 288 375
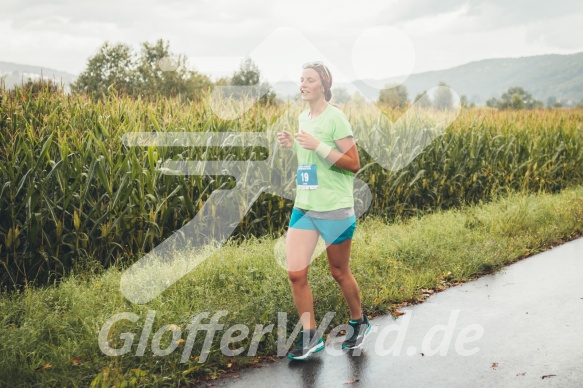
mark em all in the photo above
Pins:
pixel 334 185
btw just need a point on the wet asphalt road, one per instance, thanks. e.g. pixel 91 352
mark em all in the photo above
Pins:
pixel 508 329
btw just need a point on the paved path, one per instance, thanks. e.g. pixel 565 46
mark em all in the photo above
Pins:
pixel 531 313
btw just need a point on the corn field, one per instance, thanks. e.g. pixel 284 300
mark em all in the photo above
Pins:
pixel 72 192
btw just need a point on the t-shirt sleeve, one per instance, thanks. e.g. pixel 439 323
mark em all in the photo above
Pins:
pixel 342 127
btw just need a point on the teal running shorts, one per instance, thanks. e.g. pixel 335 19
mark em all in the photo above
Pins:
pixel 332 231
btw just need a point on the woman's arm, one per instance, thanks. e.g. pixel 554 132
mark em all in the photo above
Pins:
pixel 346 159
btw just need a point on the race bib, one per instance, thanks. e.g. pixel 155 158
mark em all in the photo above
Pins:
pixel 307 178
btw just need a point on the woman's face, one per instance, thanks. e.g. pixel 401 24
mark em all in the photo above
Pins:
pixel 310 85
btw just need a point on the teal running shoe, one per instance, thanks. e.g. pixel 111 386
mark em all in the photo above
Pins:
pixel 359 332
pixel 303 350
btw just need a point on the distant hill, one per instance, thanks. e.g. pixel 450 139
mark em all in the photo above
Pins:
pixel 15 74
pixel 559 76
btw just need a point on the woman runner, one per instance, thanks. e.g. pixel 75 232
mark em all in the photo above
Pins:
pixel 324 205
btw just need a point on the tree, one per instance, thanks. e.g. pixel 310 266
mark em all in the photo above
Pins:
pixel 422 100
pixel 249 75
pixel 159 72
pixel 553 103
pixel 518 98
pixel 395 96
pixel 516 101
pixel 492 102
pixel 515 98
pixel 112 66
pixel 154 72
pixel 443 97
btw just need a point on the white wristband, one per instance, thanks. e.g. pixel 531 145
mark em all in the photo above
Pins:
pixel 323 149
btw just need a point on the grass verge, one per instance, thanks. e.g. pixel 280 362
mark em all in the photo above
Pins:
pixel 49 336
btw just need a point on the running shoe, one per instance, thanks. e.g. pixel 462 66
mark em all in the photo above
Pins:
pixel 359 332
pixel 302 350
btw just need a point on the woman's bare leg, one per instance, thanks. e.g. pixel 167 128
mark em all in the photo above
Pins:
pixel 338 260
pixel 299 247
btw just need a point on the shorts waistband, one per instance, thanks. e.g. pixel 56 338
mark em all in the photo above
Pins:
pixel 337 214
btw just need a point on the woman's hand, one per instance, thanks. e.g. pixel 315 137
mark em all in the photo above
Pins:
pixel 306 140
pixel 285 139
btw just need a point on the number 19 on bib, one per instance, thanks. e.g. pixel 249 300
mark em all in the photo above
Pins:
pixel 307 178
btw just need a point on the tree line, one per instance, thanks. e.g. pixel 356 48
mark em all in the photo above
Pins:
pixel 155 71
pixel 515 98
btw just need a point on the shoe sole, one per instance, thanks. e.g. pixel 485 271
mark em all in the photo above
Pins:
pixel 361 342
pixel 315 349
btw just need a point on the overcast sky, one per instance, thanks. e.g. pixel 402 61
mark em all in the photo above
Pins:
pixel 359 39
